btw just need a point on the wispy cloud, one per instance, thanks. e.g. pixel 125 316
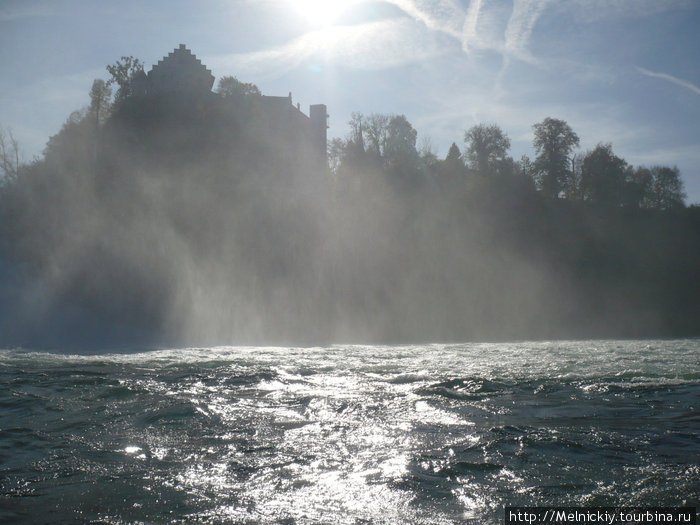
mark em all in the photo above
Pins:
pixel 680 82
pixel 426 26
pixel 502 29
pixel 471 22
pixel 521 25
pixel 482 26
pixel 375 45
pixel 439 15
pixel 517 36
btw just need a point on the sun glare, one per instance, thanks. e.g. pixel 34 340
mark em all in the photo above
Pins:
pixel 322 13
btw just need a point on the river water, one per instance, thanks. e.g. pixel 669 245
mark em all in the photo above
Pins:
pixel 347 434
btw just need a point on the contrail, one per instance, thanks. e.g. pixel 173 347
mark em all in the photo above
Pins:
pixel 521 24
pixel 670 78
pixel 470 24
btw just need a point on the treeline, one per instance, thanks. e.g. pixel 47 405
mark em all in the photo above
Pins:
pixel 599 177
pixel 176 219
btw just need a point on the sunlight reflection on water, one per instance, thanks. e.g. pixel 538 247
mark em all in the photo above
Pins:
pixel 439 434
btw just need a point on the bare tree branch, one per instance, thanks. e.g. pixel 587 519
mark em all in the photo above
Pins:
pixel 9 156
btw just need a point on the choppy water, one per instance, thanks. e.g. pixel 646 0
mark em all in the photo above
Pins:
pixel 347 434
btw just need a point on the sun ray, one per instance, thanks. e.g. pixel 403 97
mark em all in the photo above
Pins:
pixel 323 13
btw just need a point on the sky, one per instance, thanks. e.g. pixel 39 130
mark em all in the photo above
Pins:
pixel 624 72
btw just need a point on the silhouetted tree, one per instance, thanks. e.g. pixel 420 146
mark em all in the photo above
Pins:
pixel 452 171
pixel 336 152
pixel 349 154
pixel 9 156
pixel 603 176
pixel 122 72
pixel 454 156
pixel 376 132
pixel 73 146
pixel 400 146
pixel 666 188
pixel 486 148
pixel 232 87
pixel 429 162
pixel 100 97
pixel 572 189
pixel 638 191
pixel 506 167
pixel 554 141
pixel 356 130
pixel 526 167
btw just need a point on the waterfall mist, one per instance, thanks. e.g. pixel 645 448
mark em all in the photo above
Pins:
pixel 208 220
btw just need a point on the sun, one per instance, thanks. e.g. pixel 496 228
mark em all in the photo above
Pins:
pixel 322 13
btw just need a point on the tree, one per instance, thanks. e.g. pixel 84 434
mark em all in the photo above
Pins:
pixel 122 72
pixel 336 152
pixel 603 176
pixel 638 187
pixel 401 141
pixel 349 153
pixel 100 96
pixel 429 160
pixel 554 141
pixel 9 157
pixel 452 170
pixel 454 156
pixel 571 188
pixel 376 131
pixel 666 188
pixel 355 124
pixel 72 148
pixel 232 87
pixel 486 148
pixel 526 167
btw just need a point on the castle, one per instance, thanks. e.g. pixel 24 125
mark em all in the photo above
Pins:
pixel 181 72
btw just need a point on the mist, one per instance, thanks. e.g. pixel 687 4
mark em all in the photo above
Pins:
pixel 192 217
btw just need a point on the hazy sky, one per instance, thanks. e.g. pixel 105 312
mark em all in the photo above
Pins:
pixel 620 71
